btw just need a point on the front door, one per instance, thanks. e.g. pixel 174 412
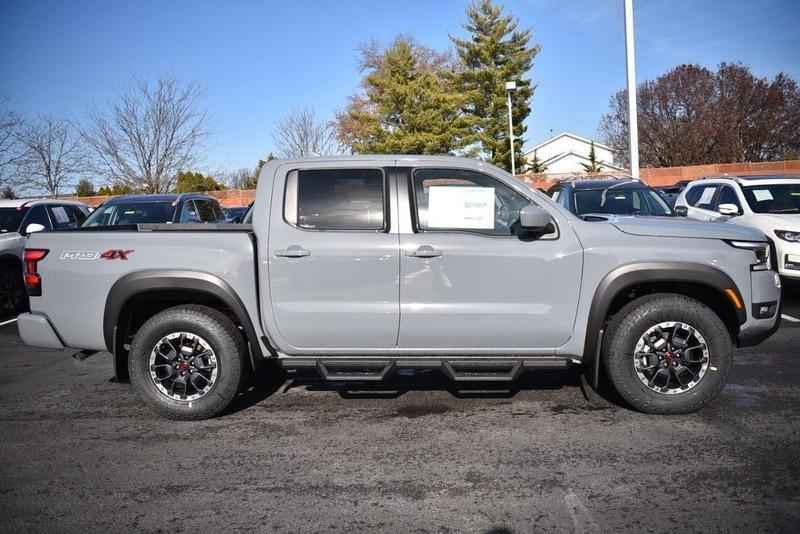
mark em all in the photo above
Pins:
pixel 333 260
pixel 470 280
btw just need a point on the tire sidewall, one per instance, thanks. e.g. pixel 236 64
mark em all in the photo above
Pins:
pixel 620 349
pixel 221 341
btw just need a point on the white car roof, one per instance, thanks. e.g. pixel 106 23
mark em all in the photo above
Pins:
pixel 747 181
pixel 28 202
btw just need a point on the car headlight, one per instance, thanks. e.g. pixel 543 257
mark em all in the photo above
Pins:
pixel 761 250
pixel 788 235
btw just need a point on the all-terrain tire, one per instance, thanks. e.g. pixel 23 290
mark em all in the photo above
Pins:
pixel 633 321
pixel 224 339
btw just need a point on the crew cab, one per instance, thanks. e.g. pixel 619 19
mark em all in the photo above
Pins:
pixel 357 266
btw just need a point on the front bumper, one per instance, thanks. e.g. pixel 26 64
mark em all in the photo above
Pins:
pixel 788 256
pixel 765 292
pixel 35 330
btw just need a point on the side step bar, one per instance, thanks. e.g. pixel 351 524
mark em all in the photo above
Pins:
pixel 459 370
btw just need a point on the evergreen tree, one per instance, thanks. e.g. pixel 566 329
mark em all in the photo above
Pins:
pixel 410 104
pixel 592 166
pixel 536 165
pixel 8 193
pixel 114 190
pixel 85 188
pixel 189 182
pixel 496 52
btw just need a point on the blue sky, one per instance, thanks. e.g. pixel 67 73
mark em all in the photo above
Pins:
pixel 257 59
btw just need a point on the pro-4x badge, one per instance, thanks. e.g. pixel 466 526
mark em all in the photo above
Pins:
pixel 115 254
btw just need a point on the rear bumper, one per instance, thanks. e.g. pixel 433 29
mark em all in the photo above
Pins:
pixel 35 329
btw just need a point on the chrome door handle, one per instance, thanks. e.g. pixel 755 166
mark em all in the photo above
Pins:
pixel 294 251
pixel 424 251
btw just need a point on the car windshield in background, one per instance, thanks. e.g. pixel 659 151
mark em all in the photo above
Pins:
pixel 11 218
pixel 620 202
pixel 132 213
pixel 777 198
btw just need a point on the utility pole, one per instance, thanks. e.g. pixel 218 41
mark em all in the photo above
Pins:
pixel 630 57
pixel 511 86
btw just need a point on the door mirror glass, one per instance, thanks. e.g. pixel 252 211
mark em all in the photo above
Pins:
pixel 534 218
pixel 33 228
pixel 682 211
pixel 728 209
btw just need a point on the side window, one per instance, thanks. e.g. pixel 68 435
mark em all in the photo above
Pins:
pixel 189 212
pixel 75 214
pixel 37 215
pixel 219 215
pixel 453 199
pixel 701 196
pixel 61 217
pixel 206 210
pixel 336 199
pixel 556 195
pixel 727 195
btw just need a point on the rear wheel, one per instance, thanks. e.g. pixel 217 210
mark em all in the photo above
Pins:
pixel 13 295
pixel 187 362
pixel 667 354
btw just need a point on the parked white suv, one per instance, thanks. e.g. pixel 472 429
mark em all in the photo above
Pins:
pixel 768 203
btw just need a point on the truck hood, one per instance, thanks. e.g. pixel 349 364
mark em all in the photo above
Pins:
pixel 682 227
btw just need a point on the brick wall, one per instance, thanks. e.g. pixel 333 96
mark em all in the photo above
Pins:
pixel 231 198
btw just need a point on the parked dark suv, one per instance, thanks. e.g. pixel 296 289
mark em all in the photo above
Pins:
pixel 597 198
pixel 150 209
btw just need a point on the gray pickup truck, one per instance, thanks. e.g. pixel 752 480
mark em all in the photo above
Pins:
pixel 355 266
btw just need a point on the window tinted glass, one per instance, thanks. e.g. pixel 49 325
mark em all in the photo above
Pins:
pixel 77 214
pixel 728 196
pixel 62 218
pixel 131 213
pixel 189 212
pixel 620 202
pixel 779 198
pixel 347 199
pixel 702 196
pixel 37 215
pixel 206 210
pixel 452 199
pixel 11 219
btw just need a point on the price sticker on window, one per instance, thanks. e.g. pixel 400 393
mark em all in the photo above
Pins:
pixel 461 207
pixel 762 194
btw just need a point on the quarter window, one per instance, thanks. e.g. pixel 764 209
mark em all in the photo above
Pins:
pixel 336 199
pixel 460 200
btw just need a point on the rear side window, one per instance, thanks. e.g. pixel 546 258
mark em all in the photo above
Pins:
pixel 206 210
pixel 336 199
pixel 75 214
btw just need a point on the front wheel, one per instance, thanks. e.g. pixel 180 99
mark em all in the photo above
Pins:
pixel 667 354
pixel 187 362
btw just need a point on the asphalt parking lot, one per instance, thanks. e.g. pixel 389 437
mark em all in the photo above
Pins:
pixel 80 453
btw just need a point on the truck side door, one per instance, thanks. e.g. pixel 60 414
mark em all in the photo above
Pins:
pixel 333 259
pixel 470 280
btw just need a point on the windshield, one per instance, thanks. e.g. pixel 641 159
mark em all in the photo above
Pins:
pixel 777 198
pixel 131 213
pixel 11 218
pixel 620 202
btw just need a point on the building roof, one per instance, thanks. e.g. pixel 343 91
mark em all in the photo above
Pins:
pixel 567 134
pixel 563 155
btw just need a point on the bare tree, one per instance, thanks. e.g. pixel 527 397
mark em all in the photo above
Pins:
pixel 149 133
pixel 51 156
pixel 244 178
pixel 10 123
pixel 300 133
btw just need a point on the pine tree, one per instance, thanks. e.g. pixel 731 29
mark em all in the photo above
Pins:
pixel 592 166
pixel 496 52
pixel 410 104
pixel 85 188
pixel 188 182
pixel 536 165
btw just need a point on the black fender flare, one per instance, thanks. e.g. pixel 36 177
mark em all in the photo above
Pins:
pixel 152 281
pixel 637 273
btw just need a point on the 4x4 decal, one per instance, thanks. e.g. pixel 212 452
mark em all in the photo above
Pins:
pixel 113 254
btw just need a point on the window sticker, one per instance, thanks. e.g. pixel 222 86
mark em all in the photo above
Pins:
pixel 762 194
pixel 60 215
pixel 461 207
pixel 705 198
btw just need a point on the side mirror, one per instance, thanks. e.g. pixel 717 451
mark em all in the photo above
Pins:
pixel 33 228
pixel 534 218
pixel 681 211
pixel 728 209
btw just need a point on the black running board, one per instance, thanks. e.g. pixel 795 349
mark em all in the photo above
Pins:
pixel 457 369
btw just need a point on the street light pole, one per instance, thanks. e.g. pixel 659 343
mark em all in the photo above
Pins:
pixel 630 57
pixel 511 86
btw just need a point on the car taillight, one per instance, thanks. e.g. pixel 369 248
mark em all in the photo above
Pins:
pixel 32 279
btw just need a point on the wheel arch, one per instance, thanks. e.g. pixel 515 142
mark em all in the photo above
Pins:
pixel 137 296
pixel 628 282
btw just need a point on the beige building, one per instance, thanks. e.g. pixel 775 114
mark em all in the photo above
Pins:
pixel 565 153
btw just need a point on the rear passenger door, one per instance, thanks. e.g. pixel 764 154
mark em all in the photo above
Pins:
pixel 333 260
